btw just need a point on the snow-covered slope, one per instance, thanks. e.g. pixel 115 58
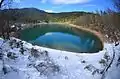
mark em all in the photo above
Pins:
pixel 21 60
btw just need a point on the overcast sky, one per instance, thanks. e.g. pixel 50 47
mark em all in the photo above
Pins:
pixel 65 5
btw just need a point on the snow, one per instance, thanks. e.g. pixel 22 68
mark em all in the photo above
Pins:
pixel 12 26
pixel 49 33
pixel 22 60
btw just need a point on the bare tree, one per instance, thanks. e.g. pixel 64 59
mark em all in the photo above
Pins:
pixel 4 19
pixel 1 2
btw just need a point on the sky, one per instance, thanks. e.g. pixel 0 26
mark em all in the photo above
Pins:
pixel 65 5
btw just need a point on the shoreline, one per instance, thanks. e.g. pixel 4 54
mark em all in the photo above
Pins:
pixel 98 34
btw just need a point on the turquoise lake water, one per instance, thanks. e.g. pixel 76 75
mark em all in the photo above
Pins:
pixel 62 37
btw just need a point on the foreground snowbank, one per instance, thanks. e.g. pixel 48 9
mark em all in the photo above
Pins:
pixel 21 60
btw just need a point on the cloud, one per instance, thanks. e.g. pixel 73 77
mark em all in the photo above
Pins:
pixel 65 1
pixel 49 11
pixel 58 6
pixel 16 1
pixel 43 1
pixel 69 1
pixel 89 5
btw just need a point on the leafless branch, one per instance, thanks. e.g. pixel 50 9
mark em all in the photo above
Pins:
pixel 1 3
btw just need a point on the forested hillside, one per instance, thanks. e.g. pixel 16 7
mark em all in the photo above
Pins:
pixel 36 15
pixel 24 15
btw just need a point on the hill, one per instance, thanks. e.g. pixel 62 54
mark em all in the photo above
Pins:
pixel 36 15
pixel 24 14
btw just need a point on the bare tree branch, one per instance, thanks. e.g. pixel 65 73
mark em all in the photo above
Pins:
pixel 117 4
pixel 1 3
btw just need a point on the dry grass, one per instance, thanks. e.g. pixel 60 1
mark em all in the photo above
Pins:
pixel 107 24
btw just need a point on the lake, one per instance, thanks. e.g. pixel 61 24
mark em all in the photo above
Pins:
pixel 62 37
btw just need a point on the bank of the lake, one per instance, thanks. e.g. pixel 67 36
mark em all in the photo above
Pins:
pixel 56 64
pixel 99 35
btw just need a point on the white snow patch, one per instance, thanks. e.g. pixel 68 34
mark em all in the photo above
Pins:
pixel 48 33
pixel 45 63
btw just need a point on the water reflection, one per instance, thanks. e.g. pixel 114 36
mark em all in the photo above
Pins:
pixel 59 37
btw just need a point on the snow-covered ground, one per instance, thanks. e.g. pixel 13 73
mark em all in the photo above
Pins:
pixel 22 60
